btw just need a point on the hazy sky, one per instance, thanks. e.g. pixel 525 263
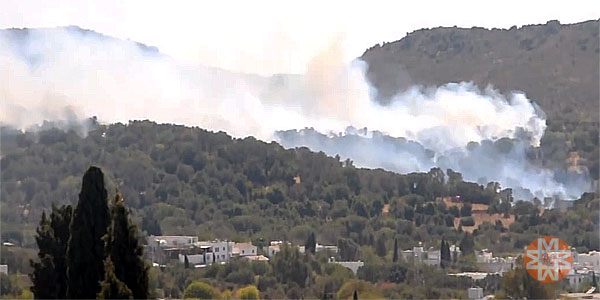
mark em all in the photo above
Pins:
pixel 278 36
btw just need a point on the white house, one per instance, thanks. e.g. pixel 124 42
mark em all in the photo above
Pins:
pixel 173 240
pixel 223 250
pixel 483 256
pixel 244 249
pixel 271 250
pixel 352 265
pixel 256 258
pixel 430 257
pixel 330 248
pixel 4 269
pixel 577 277
pixel 475 293
pixel 590 260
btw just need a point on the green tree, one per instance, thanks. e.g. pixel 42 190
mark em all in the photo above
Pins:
pixel 125 251
pixel 111 286
pixel 518 284
pixel 311 243
pixel 467 245
pixel 445 256
pixel 355 296
pixel 43 277
pixel 199 290
pixel 395 257
pixel 380 246
pixel 49 276
pixel 290 266
pixel 249 292
pixel 85 250
pixel 186 262
pixel 348 249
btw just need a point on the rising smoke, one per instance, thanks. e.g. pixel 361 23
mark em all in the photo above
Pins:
pixel 71 74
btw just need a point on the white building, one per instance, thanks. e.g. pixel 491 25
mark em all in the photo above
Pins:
pixel 256 258
pixel 4 269
pixel 165 247
pixel 483 256
pixel 475 293
pixel 472 275
pixel 222 250
pixel 454 252
pixel 487 262
pixel 433 258
pixel 330 248
pixel 244 249
pixel 273 248
pixel 173 240
pixel 590 260
pixel 577 277
pixel 430 257
pixel 352 265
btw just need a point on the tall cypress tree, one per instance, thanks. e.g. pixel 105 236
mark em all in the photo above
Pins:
pixel 380 246
pixel 125 251
pixel 395 258
pixel 311 243
pixel 49 276
pixel 85 251
pixel 445 254
pixel 43 276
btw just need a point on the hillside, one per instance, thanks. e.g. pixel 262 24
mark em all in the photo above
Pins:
pixel 182 180
pixel 555 64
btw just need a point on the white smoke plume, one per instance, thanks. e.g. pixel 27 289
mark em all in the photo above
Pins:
pixel 70 74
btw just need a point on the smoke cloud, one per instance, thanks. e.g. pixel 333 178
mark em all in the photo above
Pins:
pixel 72 74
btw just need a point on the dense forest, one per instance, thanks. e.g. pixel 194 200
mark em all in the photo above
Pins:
pixel 183 180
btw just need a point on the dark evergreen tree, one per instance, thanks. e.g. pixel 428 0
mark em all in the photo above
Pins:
pixel 355 296
pixel 111 286
pixel 311 243
pixel 380 246
pixel 60 221
pixel 186 262
pixel 49 276
pixel 445 257
pixel 467 245
pixel 43 276
pixel 85 251
pixel 395 258
pixel 594 280
pixel 125 251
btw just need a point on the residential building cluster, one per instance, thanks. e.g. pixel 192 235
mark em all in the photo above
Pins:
pixel 162 249
pixel 431 256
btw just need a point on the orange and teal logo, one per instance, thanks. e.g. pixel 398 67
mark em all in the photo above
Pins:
pixel 548 259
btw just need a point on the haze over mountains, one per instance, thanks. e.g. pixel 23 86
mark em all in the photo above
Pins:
pixel 71 74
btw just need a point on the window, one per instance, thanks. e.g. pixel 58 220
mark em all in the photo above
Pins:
pixel 223 248
pixel 243 251
pixel 217 249
pixel 252 250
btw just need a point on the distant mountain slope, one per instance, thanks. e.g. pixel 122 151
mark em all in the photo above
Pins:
pixel 555 64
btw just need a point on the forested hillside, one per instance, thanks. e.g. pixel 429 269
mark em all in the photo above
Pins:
pixel 182 180
pixel 555 64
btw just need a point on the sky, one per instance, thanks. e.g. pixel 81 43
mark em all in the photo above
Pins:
pixel 268 37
